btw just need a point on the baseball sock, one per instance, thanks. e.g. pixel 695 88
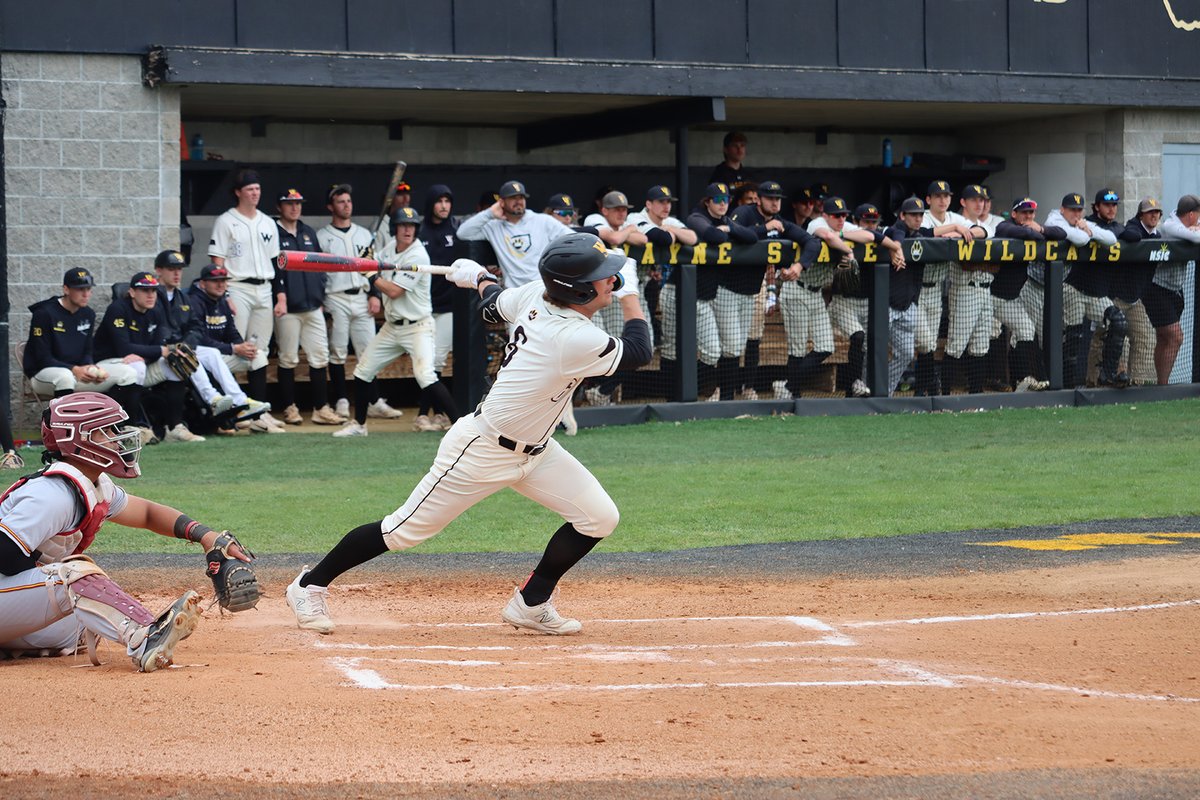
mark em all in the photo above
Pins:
pixel 438 396
pixel 319 385
pixel 564 550
pixel 727 376
pixel 356 547
pixel 287 386
pixel 256 383
pixel 750 362
pixel 976 367
pixel 175 392
pixel 337 380
pixel 364 395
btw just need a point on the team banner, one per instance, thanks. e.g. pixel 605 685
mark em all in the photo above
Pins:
pixel 782 252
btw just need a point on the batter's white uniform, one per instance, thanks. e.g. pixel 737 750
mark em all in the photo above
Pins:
pixel 249 247
pixel 346 293
pixel 518 245
pixel 507 443
pixel 409 320
pixel 35 606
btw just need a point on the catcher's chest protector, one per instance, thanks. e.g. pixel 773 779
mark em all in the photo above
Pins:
pixel 95 500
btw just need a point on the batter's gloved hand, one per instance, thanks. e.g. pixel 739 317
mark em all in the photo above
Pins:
pixel 182 360
pixel 467 273
pixel 234 582
pixel 629 280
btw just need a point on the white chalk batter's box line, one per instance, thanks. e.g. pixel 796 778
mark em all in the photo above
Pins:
pixel 900 673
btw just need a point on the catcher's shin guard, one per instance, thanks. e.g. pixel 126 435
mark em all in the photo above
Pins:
pixel 1073 340
pixel 102 607
pixel 1114 342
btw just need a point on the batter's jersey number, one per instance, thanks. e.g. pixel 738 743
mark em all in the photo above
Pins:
pixel 518 338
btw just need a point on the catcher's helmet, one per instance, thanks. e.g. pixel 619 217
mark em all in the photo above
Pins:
pixel 86 426
pixel 572 262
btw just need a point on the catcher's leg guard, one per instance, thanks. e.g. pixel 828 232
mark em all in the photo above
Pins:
pixel 1072 341
pixel 854 361
pixel 1114 341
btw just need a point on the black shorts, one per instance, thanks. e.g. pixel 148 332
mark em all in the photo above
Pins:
pixel 1163 306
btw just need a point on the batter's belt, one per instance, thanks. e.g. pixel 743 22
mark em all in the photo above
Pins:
pixel 525 448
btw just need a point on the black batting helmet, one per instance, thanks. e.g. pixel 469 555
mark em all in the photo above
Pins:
pixel 572 262
pixel 404 216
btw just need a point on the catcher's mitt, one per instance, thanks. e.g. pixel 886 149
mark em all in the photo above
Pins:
pixel 847 278
pixel 181 358
pixel 234 581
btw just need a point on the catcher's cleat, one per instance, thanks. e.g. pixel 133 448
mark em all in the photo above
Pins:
pixel 543 618
pixel 308 604
pixel 162 635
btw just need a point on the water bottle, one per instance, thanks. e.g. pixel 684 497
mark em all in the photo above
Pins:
pixel 771 297
pixel 197 152
pixel 887 152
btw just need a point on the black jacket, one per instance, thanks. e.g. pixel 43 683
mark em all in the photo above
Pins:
pixel 178 318
pixel 305 290
pixel 439 241
pixel 58 338
pixel 1130 280
pixel 904 285
pixel 743 280
pixel 216 316
pixel 125 330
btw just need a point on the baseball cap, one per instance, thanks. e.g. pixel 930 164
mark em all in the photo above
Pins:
pixel 733 136
pixel 1149 204
pixel 615 200
pixel 214 272
pixel 560 202
pixel 1072 201
pixel 866 211
pixel 1024 204
pixel 835 206
pixel 660 192
pixel 804 195
pixel 487 198
pixel 244 178
pixel 336 189
pixel 974 191
pixel 170 259
pixel 938 187
pixel 406 216
pixel 770 189
pixel 78 278
pixel 913 205
pixel 512 189
pixel 403 186
pixel 1107 196
pixel 820 190
pixel 143 280
pixel 289 195
pixel 717 191
pixel 1187 204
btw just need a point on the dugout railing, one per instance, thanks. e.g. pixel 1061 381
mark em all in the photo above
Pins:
pixel 690 374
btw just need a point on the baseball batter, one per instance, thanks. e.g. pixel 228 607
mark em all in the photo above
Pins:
pixel 507 441
pixel 245 242
pixel 408 328
pixel 51 593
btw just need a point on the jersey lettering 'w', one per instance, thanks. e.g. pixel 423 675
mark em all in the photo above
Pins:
pixel 266 237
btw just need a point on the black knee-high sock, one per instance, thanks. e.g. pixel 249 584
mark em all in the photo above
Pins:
pixel 438 397
pixel 750 364
pixel 363 397
pixel 337 381
pixel 356 547
pixel 706 380
pixel 727 376
pixel 63 392
pixel 319 385
pixel 287 386
pixel 426 403
pixel 256 383
pixel 976 368
pixel 564 550
pixel 925 377
pixel 175 392
pixel 855 358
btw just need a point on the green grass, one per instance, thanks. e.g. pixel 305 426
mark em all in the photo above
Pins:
pixel 711 483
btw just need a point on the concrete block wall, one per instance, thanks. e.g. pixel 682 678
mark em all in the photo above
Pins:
pixel 1145 133
pixel 91 179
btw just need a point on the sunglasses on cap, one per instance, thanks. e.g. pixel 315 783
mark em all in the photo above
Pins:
pixel 1110 197
pixel 720 198
pixel 564 212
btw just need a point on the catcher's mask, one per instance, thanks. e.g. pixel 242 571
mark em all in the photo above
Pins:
pixel 572 262
pixel 86 427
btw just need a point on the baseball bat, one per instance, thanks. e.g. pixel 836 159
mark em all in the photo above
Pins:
pixel 300 261
pixel 397 176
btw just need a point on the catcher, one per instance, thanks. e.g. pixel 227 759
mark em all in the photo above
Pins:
pixel 52 595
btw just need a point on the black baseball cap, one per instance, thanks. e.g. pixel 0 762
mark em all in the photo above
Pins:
pixel 1107 196
pixel 835 206
pixel 560 202
pixel 1024 204
pixel 771 189
pixel 290 195
pixel 804 195
pixel 78 278
pixel 913 205
pixel 820 190
pixel 717 190
pixel 336 189
pixel 170 259
pixel 938 187
pixel 214 272
pixel 660 192
pixel 143 280
pixel 615 200
pixel 867 211
pixel 974 190
pixel 512 189
pixel 1072 201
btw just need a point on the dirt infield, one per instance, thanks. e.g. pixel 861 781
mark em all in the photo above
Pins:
pixel 1073 680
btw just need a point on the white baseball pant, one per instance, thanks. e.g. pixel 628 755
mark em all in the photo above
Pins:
pixel 708 341
pixel 443 339
pixel 734 316
pixel 970 318
pixel 1077 305
pixel 902 336
pixel 1013 314
pixel 304 329
pixel 805 318
pixel 1033 297
pixel 56 379
pixel 929 307
pixel 351 322
pixel 253 316
pixel 394 339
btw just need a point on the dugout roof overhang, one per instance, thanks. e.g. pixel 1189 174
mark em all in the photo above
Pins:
pixel 593 99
